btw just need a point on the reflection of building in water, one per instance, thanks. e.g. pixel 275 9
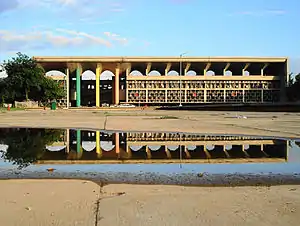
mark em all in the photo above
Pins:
pixel 86 146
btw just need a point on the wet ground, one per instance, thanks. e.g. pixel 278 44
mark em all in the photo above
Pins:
pixel 148 157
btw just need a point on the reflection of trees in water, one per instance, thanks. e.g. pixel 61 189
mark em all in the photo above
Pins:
pixel 297 143
pixel 25 146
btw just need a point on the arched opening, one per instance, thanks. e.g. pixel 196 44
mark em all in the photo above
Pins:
pixel 210 73
pixel 154 147
pixel 135 147
pixel 53 148
pixel 228 73
pixel 107 146
pixel 191 147
pixel 210 147
pixel 60 78
pixel 107 88
pixel 228 147
pixel 88 75
pixel 57 75
pixel 136 73
pixel 173 147
pixel 246 73
pixel 88 145
pixel 154 73
pixel 173 73
pixel 88 89
pixel 191 73
pixel 246 146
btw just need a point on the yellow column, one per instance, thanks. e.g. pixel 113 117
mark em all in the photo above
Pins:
pixel 168 68
pixel 98 147
pixel 68 140
pixel 98 72
pixel 226 68
pixel 188 155
pixel 68 86
pixel 117 144
pixel 208 65
pixel 187 68
pixel 245 68
pixel 169 156
pixel 148 152
pixel 117 86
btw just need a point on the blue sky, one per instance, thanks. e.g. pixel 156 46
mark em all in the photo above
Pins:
pixel 151 28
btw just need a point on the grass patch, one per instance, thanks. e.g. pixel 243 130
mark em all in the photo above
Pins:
pixel 12 109
pixel 118 114
pixel 168 117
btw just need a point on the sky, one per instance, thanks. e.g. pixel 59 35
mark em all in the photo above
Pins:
pixel 151 28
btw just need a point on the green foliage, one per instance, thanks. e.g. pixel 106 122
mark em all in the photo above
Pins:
pixel 25 146
pixel 26 80
pixel 51 90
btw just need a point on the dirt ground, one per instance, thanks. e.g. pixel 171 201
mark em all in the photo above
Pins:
pixel 250 123
pixel 61 202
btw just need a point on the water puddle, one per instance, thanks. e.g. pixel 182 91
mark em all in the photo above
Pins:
pixel 146 157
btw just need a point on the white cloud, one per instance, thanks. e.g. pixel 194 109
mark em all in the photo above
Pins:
pixel 12 41
pixel 66 9
pixel 92 38
pixel 66 2
pixel 260 13
pixel 45 39
pixel 116 37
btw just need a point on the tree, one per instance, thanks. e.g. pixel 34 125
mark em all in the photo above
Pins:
pixel 26 80
pixel 51 90
pixel 26 146
pixel 24 75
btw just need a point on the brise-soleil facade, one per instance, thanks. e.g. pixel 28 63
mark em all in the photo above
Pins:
pixel 95 81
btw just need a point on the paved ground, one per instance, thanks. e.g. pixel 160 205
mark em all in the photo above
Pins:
pixel 69 202
pixel 269 124
pixel 62 202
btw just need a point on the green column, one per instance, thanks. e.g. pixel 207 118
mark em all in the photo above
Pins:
pixel 78 141
pixel 78 87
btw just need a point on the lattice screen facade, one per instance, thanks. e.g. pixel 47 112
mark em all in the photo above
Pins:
pixel 202 91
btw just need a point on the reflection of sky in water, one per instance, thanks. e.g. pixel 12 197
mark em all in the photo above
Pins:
pixel 3 149
pixel 55 148
pixel 210 147
pixel 154 147
pixel 106 145
pixel 88 145
pixel 173 147
pixel 135 147
pixel 228 147
pixel 191 147
pixel 292 166
pixel 294 152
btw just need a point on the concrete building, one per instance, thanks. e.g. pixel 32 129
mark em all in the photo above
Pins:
pixel 168 80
